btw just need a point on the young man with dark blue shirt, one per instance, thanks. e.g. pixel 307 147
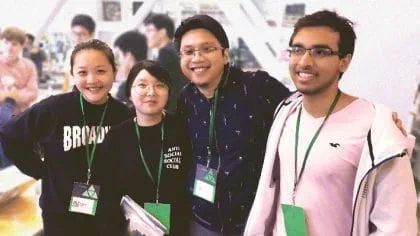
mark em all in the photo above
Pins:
pixel 228 113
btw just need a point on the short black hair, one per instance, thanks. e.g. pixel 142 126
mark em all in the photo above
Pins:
pixel 332 20
pixel 30 37
pixel 154 68
pixel 161 21
pixel 201 22
pixel 85 21
pixel 134 42
pixel 94 44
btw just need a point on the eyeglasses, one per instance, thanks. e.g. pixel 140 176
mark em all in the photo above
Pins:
pixel 204 49
pixel 144 88
pixel 315 52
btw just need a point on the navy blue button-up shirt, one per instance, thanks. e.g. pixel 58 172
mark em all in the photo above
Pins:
pixel 243 118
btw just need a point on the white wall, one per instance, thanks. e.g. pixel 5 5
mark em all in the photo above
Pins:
pixel 387 53
pixel 30 15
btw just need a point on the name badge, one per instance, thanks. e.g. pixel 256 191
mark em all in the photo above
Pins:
pixel 205 183
pixel 84 198
pixel 294 220
pixel 161 211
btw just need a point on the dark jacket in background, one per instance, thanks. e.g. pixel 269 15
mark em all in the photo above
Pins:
pixel 169 58
pixel 121 93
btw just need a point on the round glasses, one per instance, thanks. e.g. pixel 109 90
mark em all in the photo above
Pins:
pixel 144 88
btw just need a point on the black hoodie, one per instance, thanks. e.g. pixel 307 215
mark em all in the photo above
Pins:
pixel 119 166
pixel 56 124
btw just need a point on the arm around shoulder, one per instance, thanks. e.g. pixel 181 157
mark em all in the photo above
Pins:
pixel 271 89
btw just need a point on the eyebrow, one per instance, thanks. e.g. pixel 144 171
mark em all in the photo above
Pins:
pixel 313 46
pixel 85 67
pixel 201 44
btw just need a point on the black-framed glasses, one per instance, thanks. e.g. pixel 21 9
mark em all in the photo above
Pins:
pixel 315 52
pixel 204 49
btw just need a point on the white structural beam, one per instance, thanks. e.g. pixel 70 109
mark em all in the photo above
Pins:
pixel 143 11
pixel 248 22
pixel 58 6
pixel 259 21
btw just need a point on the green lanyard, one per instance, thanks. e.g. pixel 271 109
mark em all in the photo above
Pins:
pixel 90 155
pixel 162 132
pixel 212 126
pixel 311 144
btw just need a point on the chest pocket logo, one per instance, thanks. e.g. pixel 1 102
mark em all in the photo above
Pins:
pixel 335 145
pixel 172 159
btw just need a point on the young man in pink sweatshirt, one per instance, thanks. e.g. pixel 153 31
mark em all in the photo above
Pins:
pixel 335 164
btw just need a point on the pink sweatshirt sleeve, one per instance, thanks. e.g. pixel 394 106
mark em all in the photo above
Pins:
pixel 28 93
pixel 395 202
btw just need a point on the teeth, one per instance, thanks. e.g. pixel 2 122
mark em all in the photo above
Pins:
pixel 93 89
pixel 201 69
pixel 305 75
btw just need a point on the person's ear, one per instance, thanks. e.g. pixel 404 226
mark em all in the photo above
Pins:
pixel 225 56
pixel 345 62
pixel 130 56
pixel 162 33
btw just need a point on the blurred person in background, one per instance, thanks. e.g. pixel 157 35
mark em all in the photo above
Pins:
pixel 35 54
pixel 83 29
pixel 18 78
pixel 159 33
pixel 130 48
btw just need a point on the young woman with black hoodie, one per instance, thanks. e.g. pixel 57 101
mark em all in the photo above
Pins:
pixel 69 129
pixel 147 158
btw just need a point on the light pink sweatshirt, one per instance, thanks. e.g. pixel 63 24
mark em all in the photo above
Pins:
pixel 22 74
